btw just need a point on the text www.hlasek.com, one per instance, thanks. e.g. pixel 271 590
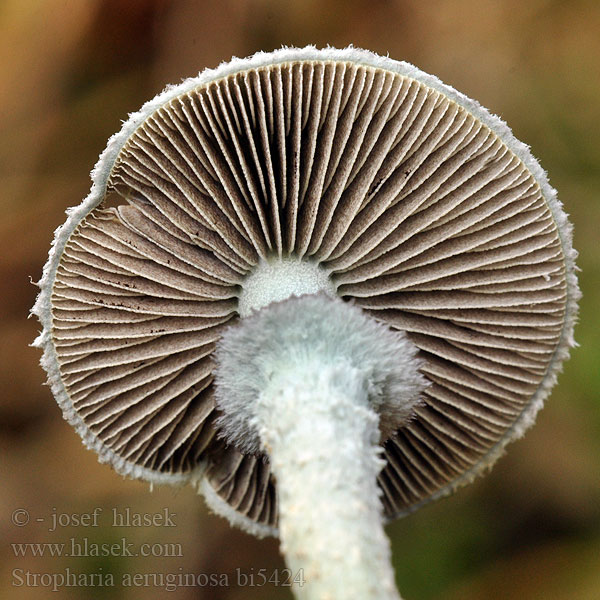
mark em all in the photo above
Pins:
pixel 83 547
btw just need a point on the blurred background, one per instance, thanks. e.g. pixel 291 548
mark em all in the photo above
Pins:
pixel 71 71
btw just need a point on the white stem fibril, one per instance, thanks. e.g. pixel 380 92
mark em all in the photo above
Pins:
pixel 322 439
pixel 316 384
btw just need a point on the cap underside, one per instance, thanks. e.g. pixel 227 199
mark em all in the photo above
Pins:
pixel 401 191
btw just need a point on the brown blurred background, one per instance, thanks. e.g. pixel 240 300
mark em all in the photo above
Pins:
pixel 71 71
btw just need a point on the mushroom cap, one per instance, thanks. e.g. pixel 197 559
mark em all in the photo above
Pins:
pixel 421 207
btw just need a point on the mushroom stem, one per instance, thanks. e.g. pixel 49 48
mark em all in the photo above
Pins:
pixel 316 384
pixel 322 439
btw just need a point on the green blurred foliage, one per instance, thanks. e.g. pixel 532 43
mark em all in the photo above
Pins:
pixel 71 70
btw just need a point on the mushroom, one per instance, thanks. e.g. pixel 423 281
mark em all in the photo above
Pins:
pixel 331 289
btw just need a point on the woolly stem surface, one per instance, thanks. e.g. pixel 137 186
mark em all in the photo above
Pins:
pixel 316 383
pixel 321 436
